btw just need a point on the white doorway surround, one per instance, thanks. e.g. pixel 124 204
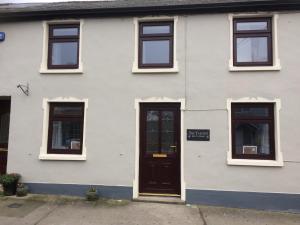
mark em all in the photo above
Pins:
pixel 138 101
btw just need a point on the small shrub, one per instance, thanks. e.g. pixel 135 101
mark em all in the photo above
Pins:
pixel 10 178
pixel 22 190
pixel 92 194
pixel 9 183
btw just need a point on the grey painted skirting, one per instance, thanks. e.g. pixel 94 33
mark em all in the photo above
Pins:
pixel 116 192
pixel 252 200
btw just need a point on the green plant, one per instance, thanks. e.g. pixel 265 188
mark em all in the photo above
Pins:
pixel 92 189
pixel 8 179
pixel 9 183
pixel 22 190
pixel 92 194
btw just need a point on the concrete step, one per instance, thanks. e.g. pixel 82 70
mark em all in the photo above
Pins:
pixel 160 199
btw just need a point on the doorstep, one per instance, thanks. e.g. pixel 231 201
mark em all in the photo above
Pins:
pixel 159 199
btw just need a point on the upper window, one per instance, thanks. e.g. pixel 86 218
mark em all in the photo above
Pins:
pixel 156 44
pixel 253 131
pixel 252 42
pixel 63 46
pixel 65 134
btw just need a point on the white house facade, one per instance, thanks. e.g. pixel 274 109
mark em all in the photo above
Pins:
pixel 191 99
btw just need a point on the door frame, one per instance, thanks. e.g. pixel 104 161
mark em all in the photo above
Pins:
pixel 138 101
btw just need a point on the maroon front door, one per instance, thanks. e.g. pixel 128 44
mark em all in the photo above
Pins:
pixel 4 130
pixel 159 148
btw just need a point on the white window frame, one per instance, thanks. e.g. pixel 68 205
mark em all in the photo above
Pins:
pixel 254 162
pixel 135 67
pixel 44 65
pixel 43 150
pixel 276 61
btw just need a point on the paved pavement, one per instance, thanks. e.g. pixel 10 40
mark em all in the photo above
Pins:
pixel 47 210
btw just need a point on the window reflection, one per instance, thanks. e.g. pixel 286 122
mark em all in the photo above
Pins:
pixel 156 52
pixel 252 49
pixel 66 135
pixel 64 53
pixel 252 138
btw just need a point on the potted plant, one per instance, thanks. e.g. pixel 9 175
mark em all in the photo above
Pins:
pixel 9 183
pixel 92 194
pixel 22 190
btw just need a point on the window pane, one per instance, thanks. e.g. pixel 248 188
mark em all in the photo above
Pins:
pixel 64 53
pixel 252 138
pixel 156 52
pixel 242 26
pixel 67 110
pixel 166 29
pixel 152 132
pixel 252 49
pixel 66 135
pixel 65 31
pixel 167 131
pixel 249 111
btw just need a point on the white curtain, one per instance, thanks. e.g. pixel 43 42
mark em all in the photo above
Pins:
pixel 57 135
pixel 264 135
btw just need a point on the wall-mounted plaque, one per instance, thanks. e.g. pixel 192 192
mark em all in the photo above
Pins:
pixel 2 36
pixel 198 135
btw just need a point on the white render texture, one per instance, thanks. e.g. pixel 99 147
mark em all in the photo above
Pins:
pixel 107 81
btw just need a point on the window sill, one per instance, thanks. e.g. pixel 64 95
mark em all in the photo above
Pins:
pixel 253 162
pixel 62 157
pixel 254 68
pixel 61 71
pixel 135 69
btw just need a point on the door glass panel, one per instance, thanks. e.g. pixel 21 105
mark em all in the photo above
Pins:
pixel 252 138
pixel 152 132
pixel 167 132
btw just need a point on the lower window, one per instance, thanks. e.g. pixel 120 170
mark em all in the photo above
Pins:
pixel 253 131
pixel 65 132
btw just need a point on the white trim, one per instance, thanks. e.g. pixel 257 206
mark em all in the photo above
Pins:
pixel 137 141
pixel 62 157
pixel 276 61
pixel 43 150
pixel 135 67
pixel 250 162
pixel 44 68
pixel 158 70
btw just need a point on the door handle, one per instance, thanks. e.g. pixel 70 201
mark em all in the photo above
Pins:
pixel 174 147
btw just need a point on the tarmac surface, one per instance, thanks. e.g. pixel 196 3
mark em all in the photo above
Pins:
pixel 61 210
